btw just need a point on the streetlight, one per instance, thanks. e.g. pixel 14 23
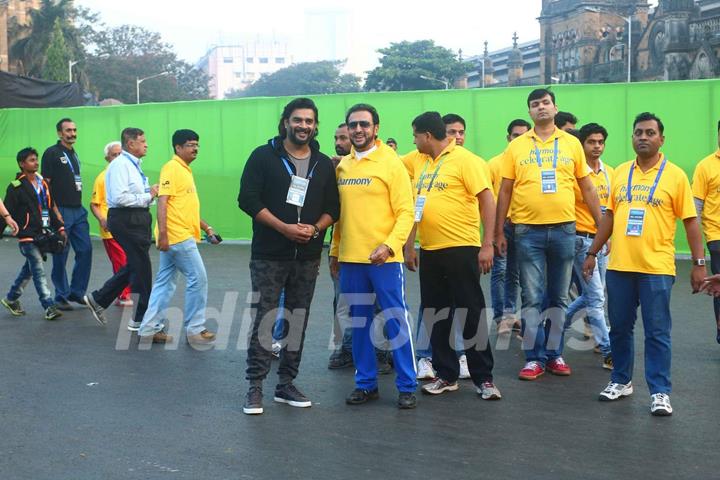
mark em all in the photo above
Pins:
pixel 138 81
pixel 70 65
pixel 444 82
pixel 628 20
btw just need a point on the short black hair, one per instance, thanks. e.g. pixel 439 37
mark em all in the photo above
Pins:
pixel 390 140
pixel 23 154
pixel 130 133
pixel 363 107
pixel 297 104
pixel 518 122
pixel 342 125
pixel 539 93
pixel 647 116
pixel 58 126
pixel 561 118
pixel 591 129
pixel 574 132
pixel 432 123
pixel 453 118
pixel 182 136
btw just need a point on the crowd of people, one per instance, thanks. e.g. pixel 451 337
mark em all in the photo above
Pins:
pixel 545 217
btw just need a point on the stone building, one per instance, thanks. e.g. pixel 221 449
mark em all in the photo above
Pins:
pixel 13 14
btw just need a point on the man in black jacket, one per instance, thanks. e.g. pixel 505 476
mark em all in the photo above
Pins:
pixel 289 189
pixel 30 204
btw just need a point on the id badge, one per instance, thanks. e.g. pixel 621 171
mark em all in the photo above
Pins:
pixel 45 218
pixel 419 207
pixel 548 179
pixel 78 183
pixel 636 220
pixel 147 185
pixel 297 191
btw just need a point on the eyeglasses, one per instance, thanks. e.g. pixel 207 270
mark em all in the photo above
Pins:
pixel 361 123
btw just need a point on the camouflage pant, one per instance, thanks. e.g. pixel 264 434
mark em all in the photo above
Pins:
pixel 269 278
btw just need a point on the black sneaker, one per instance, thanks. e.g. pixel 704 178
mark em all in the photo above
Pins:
pixel 96 309
pixel 253 401
pixel 406 400
pixel 13 306
pixel 289 394
pixel 79 301
pixel 51 313
pixel 340 359
pixel 360 396
pixel 64 306
pixel 384 366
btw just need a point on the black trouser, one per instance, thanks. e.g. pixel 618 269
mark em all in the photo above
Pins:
pixel 714 249
pixel 269 278
pixel 131 229
pixel 450 280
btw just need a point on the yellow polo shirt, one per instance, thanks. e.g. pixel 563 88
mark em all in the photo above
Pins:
pixel 585 222
pixel 706 187
pixel 654 250
pixel 376 205
pixel 183 206
pixel 451 217
pixel 98 198
pixel 529 204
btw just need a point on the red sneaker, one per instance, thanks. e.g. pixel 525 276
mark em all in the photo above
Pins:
pixel 531 371
pixel 557 366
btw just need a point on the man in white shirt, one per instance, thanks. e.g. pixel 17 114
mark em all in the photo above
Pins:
pixel 129 195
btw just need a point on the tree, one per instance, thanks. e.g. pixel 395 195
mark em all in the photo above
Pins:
pixel 123 54
pixel 56 63
pixel 403 64
pixel 309 78
pixel 30 51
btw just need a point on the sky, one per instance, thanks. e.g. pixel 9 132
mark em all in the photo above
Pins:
pixel 192 27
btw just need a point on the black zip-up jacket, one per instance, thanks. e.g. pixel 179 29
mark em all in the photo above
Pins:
pixel 21 202
pixel 264 184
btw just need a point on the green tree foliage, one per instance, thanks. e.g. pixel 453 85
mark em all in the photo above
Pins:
pixel 56 63
pixel 310 78
pixel 403 64
pixel 125 53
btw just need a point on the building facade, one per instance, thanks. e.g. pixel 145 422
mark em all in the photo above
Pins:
pixel 14 14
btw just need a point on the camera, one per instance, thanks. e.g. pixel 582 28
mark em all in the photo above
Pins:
pixel 49 242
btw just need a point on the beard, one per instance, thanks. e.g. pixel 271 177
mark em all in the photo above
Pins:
pixel 292 136
pixel 369 140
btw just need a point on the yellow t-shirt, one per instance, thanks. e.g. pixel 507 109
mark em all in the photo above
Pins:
pixel 495 177
pixel 98 198
pixel 706 187
pixel 376 205
pixel 183 206
pixel 529 204
pixel 602 181
pixel 451 217
pixel 654 250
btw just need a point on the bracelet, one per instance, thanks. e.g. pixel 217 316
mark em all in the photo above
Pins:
pixel 590 254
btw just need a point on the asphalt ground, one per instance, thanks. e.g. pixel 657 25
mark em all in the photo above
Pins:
pixel 80 401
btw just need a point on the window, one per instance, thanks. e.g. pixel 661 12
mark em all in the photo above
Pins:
pixel 227 60
pixel 280 60
pixel 249 59
pixel 263 60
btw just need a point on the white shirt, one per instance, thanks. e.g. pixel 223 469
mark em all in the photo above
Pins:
pixel 125 184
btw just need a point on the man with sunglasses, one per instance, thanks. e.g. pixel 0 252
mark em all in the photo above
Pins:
pixel 375 221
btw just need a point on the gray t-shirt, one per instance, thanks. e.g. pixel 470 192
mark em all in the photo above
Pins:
pixel 301 167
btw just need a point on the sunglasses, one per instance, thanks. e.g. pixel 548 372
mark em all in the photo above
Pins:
pixel 362 123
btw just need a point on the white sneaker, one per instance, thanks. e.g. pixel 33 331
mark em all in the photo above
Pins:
pixel 133 326
pixel 439 386
pixel 464 372
pixel 488 391
pixel 425 369
pixel 660 405
pixel 614 391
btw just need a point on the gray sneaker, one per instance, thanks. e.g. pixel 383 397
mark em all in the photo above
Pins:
pixel 439 386
pixel 13 306
pixel 133 326
pixel 289 394
pixel 488 391
pixel 253 401
pixel 340 359
pixel 51 313
pixel 96 309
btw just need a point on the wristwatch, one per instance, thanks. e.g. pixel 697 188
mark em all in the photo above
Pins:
pixel 317 232
pixel 699 262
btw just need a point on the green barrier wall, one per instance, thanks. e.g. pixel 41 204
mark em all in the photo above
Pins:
pixel 230 129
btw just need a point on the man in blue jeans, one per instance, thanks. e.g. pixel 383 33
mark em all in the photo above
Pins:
pixel 60 168
pixel 539 172
pixel 177 233
pixel 648 195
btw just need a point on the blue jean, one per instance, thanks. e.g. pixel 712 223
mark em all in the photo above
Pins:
pixel 504 281
pixel 358 282
pixel 592 298
pixel 545 256
pixel 32 268
pixel 78 234
pixel 627 290
pixel 183 257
